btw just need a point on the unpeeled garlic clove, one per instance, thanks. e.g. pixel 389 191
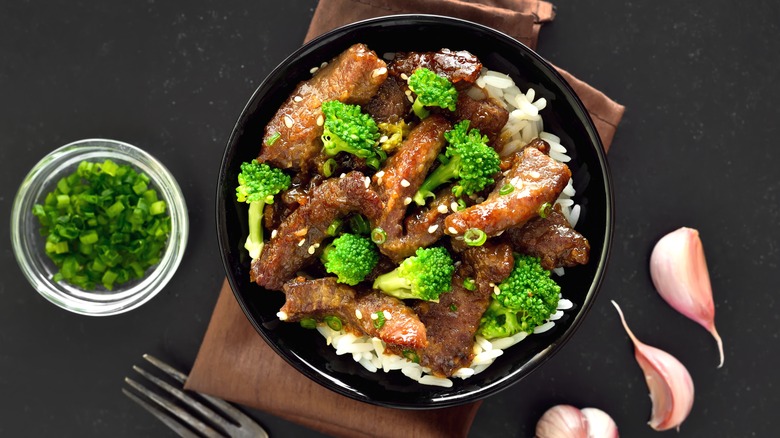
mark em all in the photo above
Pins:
pixel 679 272
pixel 600 424
pixel 670 384
pixel 562 421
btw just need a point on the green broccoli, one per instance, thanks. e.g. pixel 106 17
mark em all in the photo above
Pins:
pixel 470 160
pixel 431 90
pixel 351 258
pixel 347 129
pixel 425 276
pixel 258 183
pixel 528 297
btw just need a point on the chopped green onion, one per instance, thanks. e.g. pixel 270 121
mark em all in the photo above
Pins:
pixel 272 139
pixel 359 225
pixel 380 320
pixel 334 228
pixel 378 236
pixel 474 237
pixel 308 323
pixel 411 355
pixel 506 189
pixel 157 208
pixel 453 307
pixel 88 237
pixel 329 166
pixel 469 284
pixel 461 204
pixel 333 322
pixel 545 210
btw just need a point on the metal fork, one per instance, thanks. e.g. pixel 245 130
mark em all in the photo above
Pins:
pixel 231 422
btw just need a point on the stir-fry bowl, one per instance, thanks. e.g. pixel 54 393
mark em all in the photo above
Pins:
pixel 564 116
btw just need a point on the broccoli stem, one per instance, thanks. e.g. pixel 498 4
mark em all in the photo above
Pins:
pixel 393 284
pixel 441 175
pixel 254 242
pixel 419 109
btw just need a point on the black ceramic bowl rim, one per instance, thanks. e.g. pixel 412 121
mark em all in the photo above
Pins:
pixel 340 373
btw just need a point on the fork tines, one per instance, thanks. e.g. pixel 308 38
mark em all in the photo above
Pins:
pixel 228 422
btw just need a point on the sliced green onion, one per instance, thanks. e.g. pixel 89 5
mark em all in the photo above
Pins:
pixel 272 139
pixel 378 236
pixel 308 323
pixel 380 320
pixel 506 189
pixel 157 208
pixel 333 322
pixel 545 210
pixel 461 204
pixel 90 236
pixel 474 237
pixel 360 225
pixel 329 166
pixel 457 190
pixel 411 355
pixel 469 284
pixel 453 307
pixel 334 228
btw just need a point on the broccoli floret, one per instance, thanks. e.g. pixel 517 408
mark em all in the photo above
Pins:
pixel 528 297
pixel 425 276
pixel 347 129
pixel 431 90
pixel 471 161
pixel 258 183
pixel 395 133
pixel 351 258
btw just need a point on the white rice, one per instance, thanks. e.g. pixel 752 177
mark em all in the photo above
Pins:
pixel 524 124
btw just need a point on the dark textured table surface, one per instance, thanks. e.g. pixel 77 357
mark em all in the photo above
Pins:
pixel 697 148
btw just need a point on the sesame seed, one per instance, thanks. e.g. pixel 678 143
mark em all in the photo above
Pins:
pixel 316 245
pixel 320 120
pixel 282 316
pixel 491 284
pixel 274 233
pixel 404 76
pixel 383 139
pixel 388 315
pixel 380 174
pixel 374 316
pixel 314 70
pixel 323 64
pixel 496 290
pixel 453 206
pixel 379 71
pixel 432 229
pixel 301 242
pixel 297 98
pixel 405 183
pixel 410 98
pixel 442 208
pixel 358 314
pixel 452 230
pixel 311 249
pixel 407 201
pixel 408 92
pixel 367 182
pixel 288 121
pixel 342 175
pixel 534 174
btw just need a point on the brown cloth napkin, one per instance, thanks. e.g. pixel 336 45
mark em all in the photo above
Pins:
pixel 236 364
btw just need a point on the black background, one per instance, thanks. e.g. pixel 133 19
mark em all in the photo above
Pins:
pixel 697 147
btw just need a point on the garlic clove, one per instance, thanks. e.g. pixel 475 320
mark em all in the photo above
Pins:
pixel 669 382
pixel 679 272
pixel 562 421
pixel 600 424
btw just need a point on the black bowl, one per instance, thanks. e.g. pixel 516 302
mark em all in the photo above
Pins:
pixel 564 116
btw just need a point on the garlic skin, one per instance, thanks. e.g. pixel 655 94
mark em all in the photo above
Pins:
pixel 562 421
pixel 669 382
pixel 679 272
pixel 600 424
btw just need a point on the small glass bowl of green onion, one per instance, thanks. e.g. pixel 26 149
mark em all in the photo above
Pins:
pixel 99 227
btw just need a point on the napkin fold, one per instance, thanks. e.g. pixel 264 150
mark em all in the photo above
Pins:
pixel 236 364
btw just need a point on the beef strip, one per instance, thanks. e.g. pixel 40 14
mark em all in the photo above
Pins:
pixel 552 239
pixel 452 322
pixel 402 175
pixel 486 115
pixel 325 297
pixel 390 104
pixel 461 67
pixel 536 178
pixel 353 77
pixel 298 237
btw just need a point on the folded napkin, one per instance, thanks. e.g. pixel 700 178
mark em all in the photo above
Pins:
pixel 236 364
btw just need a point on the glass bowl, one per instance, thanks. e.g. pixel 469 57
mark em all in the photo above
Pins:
pixel 28 244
